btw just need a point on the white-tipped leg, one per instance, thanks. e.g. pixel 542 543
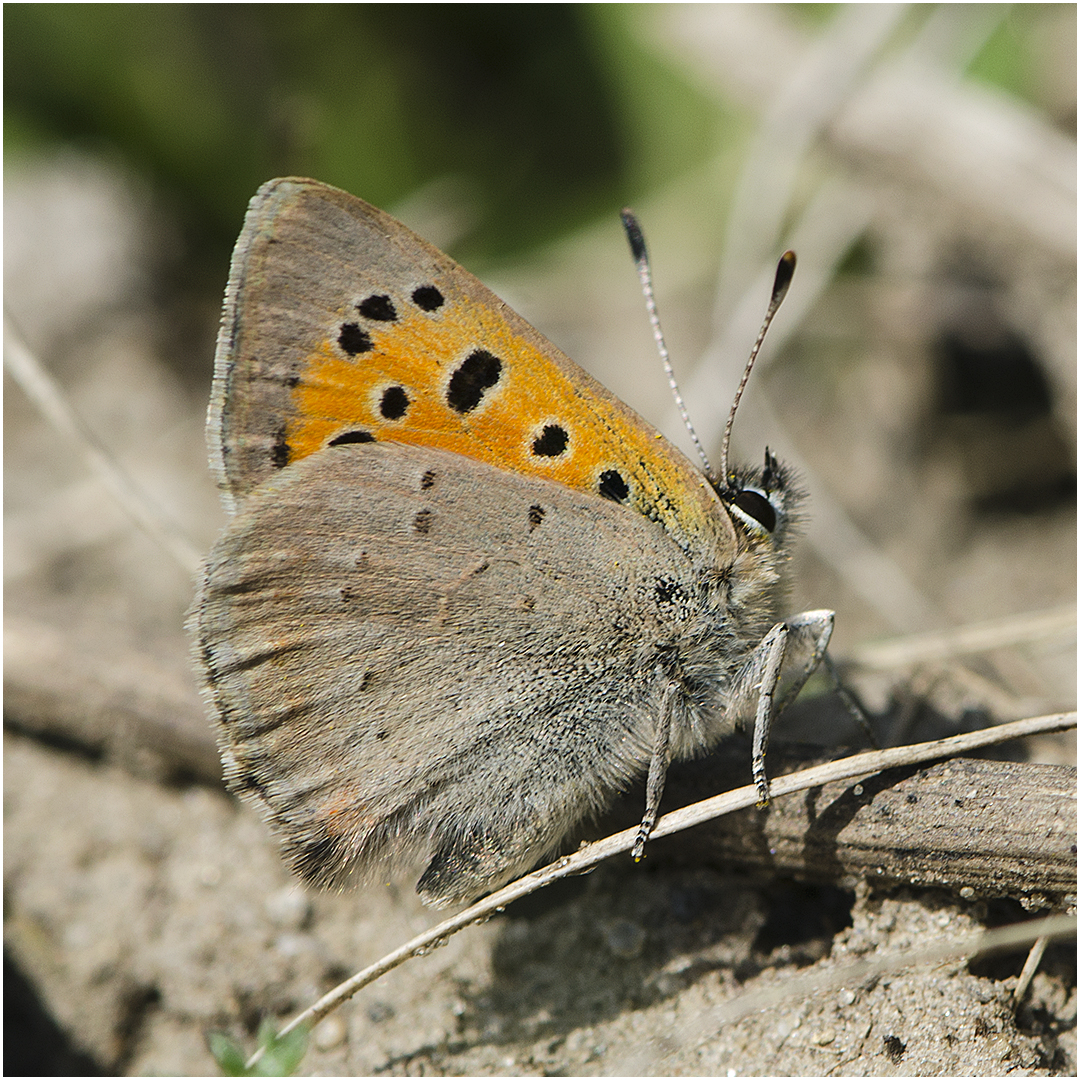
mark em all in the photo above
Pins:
pixel 658 766
pixel 811 629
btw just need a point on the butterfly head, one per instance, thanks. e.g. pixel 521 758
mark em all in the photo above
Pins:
pixel 763 507
pixel 762 502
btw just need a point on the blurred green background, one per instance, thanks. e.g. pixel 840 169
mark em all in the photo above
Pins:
pixel 546 115
pixel 543 116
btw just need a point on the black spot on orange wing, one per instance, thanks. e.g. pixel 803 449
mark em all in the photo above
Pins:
pixel 354 339
pixel 378 309
pixel 394 403
pixel 613 486
pixel 347 437
pixel 476 374
pixel 551 442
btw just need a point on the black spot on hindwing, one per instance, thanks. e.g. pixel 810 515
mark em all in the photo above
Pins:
pixel 423 521
pixel 536 515
pixel 427 480
pixel 477 373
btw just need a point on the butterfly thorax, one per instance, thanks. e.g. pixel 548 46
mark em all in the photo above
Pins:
pixel 742 597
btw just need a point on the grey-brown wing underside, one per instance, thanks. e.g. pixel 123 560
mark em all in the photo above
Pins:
pixel 411 653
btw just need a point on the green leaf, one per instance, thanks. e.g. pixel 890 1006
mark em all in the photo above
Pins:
pixel 281 1054
pixel 229 1056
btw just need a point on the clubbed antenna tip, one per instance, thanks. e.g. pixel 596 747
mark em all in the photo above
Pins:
pixel 635 236
pixel 785 270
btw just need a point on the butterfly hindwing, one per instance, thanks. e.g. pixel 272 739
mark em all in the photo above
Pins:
pixel 395 634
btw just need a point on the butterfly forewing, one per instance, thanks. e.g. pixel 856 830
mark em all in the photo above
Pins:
pixel 341 325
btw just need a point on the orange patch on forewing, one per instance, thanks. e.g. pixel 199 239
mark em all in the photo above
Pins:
pixel 339 393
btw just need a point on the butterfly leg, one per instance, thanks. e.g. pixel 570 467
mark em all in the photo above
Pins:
pixel 811 628
pixel 850 701
pixel 658 766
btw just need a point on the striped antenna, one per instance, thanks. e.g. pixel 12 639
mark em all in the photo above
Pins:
pixel 784 272
pixel 641 260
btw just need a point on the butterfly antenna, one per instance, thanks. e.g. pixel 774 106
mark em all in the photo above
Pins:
pixel 784 271
pixel 641 260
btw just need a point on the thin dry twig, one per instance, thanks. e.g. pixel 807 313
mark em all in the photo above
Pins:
pixel 591 855
pixel 1031 965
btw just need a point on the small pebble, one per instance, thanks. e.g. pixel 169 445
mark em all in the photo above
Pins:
pixel 624 938
pixel 288 908
pixel 330 1033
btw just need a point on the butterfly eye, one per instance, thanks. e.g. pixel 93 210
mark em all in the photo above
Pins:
pixel 756 506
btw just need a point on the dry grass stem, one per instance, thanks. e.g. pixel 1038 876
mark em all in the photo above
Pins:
pixel 52 403
pixel 938 645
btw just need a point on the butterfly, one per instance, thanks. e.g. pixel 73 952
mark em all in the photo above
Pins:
pixel 465 595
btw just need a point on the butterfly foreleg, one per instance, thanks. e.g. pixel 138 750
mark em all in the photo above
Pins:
pixel 809 630
pixel 658 766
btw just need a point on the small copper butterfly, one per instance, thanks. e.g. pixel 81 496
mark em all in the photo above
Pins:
pixel 465 594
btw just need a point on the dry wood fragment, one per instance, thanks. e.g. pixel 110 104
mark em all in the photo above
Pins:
pixel 979 828
pixel 107 700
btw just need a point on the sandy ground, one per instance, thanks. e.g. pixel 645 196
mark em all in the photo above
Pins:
pixel 144 915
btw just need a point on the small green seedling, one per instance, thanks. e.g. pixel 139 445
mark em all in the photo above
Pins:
pixel 280 1054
